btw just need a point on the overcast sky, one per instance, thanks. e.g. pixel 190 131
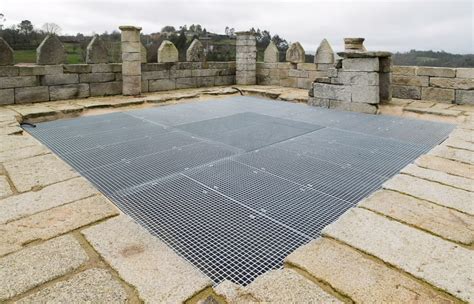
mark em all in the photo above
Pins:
pixel 396 25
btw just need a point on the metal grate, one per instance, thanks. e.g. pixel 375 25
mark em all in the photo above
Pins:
pixel 235 185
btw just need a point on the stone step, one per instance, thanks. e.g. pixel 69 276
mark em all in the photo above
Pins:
pixel 445 222
pixel 453 154
pixel 429 258
pixel 142 260
pixel 360 277
pixel 277 286
pixel 33 266
pixel 458 199
pixel 459 144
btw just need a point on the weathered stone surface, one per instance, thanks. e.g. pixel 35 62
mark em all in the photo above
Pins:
pixel 90 286
pixel 354 44
pixel 167 52
pixel 97 77
pixel 51 51
pixel 158 274
pixel 106 88
pixel 436 94
pixel 106 68
pixel 7 96
pixel 361 64
pixel 295 53
pixel 446 165
pixel 419 81
pixel 22 153
pixel 440 177
pixel 71 91
pixel 458 199
pixel 465 97
pixel 427 257
pixel 271 53
pixel 454 154
pixel 365 94
pixel 353 106
pixel 143 53
pixel 16 142
pixel 404 70
pixel 161 85
pixel 96 51
pixel 6 53
pixel 436 72
pixel 330 91
pixel 31 94
pixel 36 265
pixel 465 73
pixel 357 78
pixel 5 189
pixel 277 286
pixel 53 222
pixel 77 68
pixel 452 83
pixel 195 52
pixel 406 92
pixel 359 277
pixel 186 83
pixel 324 53
pixel 9 71
pixel 38 171
pixel 447 223
pixel 462 134
pixel 19 81
pixel 459 143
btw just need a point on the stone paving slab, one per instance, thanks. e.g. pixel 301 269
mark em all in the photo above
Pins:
pixel 5 189
pixel 53 222
pixel 445 222
pixel 15 142
pixel 17 206
pixel 38 171
pixel 440 177
pixel 432 259
pixel 446 165
pixel 462 134
pixel 17 154
pixel 454 154
pixel 36 265
pixel 359 277
pixel 459 144
pixel 458 199
pixel 277 286
pixel 158 274
pixel 90 286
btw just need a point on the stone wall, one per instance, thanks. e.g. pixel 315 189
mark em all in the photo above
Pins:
pixel 287 74
pixel 448 85
pixel 37 83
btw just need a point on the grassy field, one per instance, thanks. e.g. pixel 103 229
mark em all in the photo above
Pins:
pixel 73 51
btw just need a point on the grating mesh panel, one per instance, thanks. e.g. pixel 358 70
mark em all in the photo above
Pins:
pixel 221 237
pixel 183 172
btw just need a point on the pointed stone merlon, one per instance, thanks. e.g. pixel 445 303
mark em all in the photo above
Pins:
pixel 324 54
pixel 167 52
pixel 51 51
pixel 246 58
pixel 295 53
pixel 354 45
pixel 271 54
pixel 96 51
pixel 6 53
pixel 195 52
pixel 131 60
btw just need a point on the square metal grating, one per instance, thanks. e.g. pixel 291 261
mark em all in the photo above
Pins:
pixel 235 185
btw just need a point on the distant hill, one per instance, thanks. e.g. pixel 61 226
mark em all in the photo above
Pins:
pixel 431 58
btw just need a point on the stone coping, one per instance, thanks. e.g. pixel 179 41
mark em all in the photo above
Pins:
pixel 61 240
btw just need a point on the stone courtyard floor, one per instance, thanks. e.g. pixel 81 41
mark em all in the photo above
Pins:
pixel 63 241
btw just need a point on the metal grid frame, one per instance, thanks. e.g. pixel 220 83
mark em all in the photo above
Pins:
pixel 235 185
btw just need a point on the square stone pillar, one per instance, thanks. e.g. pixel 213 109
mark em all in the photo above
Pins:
pixel 246 58
pixel 131 60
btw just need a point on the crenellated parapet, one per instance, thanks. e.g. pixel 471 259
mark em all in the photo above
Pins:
pixel 51 51
pixel 6 53
pixel 96 51
pixel 167 52
pixel 195 52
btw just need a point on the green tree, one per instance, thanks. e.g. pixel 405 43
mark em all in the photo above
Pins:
pixel 25 27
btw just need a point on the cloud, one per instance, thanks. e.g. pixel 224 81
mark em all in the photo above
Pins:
pixel 396 25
